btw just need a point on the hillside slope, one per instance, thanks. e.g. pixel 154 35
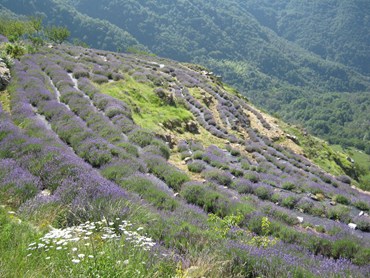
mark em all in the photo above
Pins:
pixel 161 165
pixel 273 63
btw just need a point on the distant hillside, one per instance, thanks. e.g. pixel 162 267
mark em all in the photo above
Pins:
pixel 93 31
pixel 336 30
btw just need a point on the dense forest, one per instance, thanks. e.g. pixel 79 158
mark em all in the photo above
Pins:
pixel 279 54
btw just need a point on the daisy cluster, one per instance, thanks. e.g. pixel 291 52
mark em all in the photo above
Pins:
pixel 88 232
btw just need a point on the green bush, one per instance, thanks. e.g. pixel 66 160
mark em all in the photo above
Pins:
pixel 262 193
pixel 141 137
pixel 340 213
pixel 198 154
pixel 219 176
pixel 210 200
pixel 146 189
pixel 289 202
pixel 362 205
pixel 345 248
pixel 341 199
pixel 196 166
pixel 288 186
pixel 236 172
pixel 252 177
pixel 168 173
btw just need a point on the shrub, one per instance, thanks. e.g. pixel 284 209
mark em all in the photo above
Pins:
pixel 196 166
pixel 168 173
pixel 305 205
pixel 345 248
pixel 362 205
pixel 340 213
pixel 117 171
pixel 262 193
pixel 100 79
pixel 341 199
pixel 198 155
pixel 363 224
pixel 288 186
pixel 219 176
pixel 245 164
pixel 252 177
pixel 129 148
pixel 362 257
pixel 194 194
pixel 145 188
pixel 289 202
pixel 141 137
pixel 344 179
pixel 159 147
pixel 236 172
pixel 276 198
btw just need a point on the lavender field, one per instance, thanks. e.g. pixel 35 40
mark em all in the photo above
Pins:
pixel 121 165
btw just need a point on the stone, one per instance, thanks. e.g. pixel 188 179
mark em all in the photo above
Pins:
pixel 192 127
pixel 300 219
pixel 352 226
pixel 361 213
pixel 4 75
pixel 333 203
pixel 314 197
pixel 187 159
pixel 293 138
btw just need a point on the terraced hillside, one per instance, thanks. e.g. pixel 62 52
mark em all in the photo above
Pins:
pixel 118 165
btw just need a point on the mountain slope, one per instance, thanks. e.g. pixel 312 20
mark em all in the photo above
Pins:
pixel 162 166
pixel 335 30
pixel 261 58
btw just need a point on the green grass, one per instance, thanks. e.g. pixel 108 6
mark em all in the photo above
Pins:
pixel 362 164
pixel 320 152
pixel 108 258
pixel 5 100
pixel 149 111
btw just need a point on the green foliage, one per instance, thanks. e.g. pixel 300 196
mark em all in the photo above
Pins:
pixel 362 205
pixel 141 137
pixel 341 199
pixel 263 240
pixel 288 186
pixel 57 34
pixel 210 200
pixel 147 190
pixel 289 202
pixel 345 248
pixel 15 50
pixel 196 167
pixel 221 226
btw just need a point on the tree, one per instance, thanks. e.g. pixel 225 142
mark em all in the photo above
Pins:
pixel 57 34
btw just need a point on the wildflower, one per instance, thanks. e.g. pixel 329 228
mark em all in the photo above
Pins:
pixel 74 249
pixel 81 256
pixel 76 261
pixel 125 262
pixel 47 258
pixel 91 256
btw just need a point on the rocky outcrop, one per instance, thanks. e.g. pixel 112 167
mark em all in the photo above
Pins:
pixel 4 75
